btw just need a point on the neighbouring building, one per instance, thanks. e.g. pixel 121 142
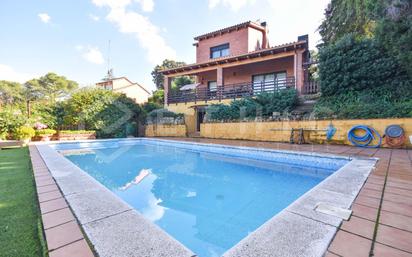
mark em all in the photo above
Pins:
pixel 236 62
pixel 123 85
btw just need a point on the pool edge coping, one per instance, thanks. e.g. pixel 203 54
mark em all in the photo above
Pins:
pixel 298 207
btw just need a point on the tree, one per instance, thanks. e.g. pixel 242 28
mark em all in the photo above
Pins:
pixel 107 112
pixel 54 86
pixel 10 93
pixel 47 88
pixel 166 64
pixel 394 30
pixel 178 82
pixel 347 16
pixel 158 97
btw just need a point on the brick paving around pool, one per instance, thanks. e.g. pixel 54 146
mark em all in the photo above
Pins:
pixel 63 234
pixel 381 223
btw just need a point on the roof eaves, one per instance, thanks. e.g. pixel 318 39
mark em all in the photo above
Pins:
pixel 234 58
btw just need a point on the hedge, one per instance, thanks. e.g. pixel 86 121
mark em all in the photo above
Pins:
pixel 359 79
pixel 262 106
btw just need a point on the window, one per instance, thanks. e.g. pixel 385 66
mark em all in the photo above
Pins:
pixel 219 51
pixel 212 86
pixel 108 87
pixel 269 81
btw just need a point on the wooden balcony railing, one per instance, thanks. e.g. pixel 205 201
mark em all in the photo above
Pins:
pixel 231 91
pixel 311 87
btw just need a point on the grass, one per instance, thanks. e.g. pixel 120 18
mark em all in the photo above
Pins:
pixel 20 222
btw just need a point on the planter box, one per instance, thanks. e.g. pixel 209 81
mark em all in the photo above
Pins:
pixel 77 136
pixel 44 138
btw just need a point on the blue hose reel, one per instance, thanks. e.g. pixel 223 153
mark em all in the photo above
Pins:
pixel 365 138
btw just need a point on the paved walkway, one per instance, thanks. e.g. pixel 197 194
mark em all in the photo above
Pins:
pixel 63 234
pixel 381 224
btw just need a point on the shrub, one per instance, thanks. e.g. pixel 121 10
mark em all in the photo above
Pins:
pixel 164 116
pixel 148 107
pixel 45 132
pixel 219 112
pixel 39 126
pixel 353 64
pixel 10 121
pixel 107 112
pixel 359 79
pixel 24 132
pixel 263 105
pixel 163 113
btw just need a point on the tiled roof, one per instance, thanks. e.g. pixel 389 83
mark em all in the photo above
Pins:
pixel 228 29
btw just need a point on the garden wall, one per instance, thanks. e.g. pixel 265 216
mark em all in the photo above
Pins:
pixel 279 131
pixel 164 130
pixel 73 136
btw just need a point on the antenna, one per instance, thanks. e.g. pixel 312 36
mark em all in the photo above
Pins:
pixel 108 56
pixel 109 75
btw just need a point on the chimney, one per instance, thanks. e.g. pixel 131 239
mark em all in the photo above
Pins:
pixel 265 40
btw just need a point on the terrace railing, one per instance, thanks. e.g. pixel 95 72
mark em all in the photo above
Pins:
pixel 311 87
pixel 231 91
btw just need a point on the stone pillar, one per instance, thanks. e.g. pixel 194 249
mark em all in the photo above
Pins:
pixel 166 84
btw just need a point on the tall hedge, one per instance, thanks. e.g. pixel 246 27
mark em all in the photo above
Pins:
pixel 359 79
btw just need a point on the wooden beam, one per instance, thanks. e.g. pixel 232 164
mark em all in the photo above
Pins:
pixel 236 63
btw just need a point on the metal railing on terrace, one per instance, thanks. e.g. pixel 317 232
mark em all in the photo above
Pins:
pixel 231 91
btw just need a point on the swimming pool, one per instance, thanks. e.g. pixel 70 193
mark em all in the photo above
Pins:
pixel 207 197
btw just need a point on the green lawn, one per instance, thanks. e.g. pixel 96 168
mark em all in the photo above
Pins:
pixel 20 227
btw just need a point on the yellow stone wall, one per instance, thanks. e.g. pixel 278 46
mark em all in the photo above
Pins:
pixel 165 130
pixel 279 131
pixel 189 111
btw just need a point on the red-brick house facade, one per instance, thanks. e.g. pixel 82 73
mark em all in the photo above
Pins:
pixel 235 62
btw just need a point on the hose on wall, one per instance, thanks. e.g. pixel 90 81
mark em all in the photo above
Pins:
pixel 364 136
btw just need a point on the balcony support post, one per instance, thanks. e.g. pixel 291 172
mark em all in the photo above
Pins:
pixel 166 85
pixel 219 81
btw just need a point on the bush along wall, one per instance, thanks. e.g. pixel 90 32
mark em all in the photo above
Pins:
pixel 164 116
pixel 359 79
pixel 262 106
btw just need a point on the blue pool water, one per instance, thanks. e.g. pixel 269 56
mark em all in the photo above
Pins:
pixel 207 201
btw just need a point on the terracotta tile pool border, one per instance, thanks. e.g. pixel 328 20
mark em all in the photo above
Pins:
pixel 308 232
pixel 63 235
pixel 105 219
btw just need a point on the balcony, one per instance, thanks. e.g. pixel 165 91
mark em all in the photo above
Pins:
pixel 230 91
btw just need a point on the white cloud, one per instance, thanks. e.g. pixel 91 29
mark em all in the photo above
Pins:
pixel 234 5
pixel 8 73
pixel 44 17
pixel 147 5
pixel 91 54
pixel 131 22
pixel 94 17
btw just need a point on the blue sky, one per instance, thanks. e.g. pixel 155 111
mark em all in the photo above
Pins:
pixel 70 37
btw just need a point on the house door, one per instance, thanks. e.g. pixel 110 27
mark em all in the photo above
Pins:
pixel 200 116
